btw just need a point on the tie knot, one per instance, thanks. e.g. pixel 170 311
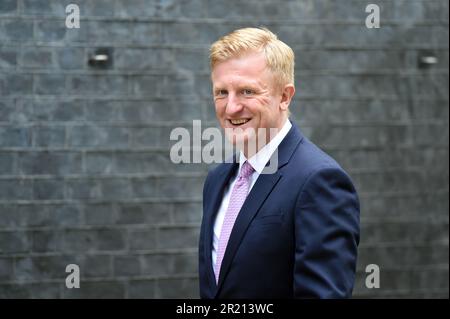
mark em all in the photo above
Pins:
pixel 246 170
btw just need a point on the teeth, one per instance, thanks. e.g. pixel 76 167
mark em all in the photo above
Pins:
pixel 240 121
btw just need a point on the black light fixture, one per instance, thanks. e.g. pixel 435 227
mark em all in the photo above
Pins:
pixel 427 59
pixel 101 58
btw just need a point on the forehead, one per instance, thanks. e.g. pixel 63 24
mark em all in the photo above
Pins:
pixel 249 68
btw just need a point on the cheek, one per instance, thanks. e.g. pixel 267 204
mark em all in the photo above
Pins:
pixel 261 105
pixel 219 107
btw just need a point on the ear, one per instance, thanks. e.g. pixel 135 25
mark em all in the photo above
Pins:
pixel 286 96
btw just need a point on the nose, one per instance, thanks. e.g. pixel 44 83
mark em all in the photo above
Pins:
pixel 233 105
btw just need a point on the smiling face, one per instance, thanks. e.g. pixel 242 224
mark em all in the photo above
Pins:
pixel 246 97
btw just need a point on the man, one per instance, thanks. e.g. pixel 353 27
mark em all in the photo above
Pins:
pixel 292 233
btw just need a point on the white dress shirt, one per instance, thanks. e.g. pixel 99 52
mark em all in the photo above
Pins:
pixel 258 162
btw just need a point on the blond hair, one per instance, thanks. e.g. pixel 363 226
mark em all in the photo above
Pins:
pixel 279 56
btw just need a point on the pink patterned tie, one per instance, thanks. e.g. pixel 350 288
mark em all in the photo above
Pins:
pixel 238 195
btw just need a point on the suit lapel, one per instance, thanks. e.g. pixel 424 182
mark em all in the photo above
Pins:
pixel 259 193
pixel 255 199
pixel 217 191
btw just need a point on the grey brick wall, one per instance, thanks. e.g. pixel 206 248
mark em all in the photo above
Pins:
pixel 85 175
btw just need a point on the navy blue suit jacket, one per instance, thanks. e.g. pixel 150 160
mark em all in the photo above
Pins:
pixel 296 235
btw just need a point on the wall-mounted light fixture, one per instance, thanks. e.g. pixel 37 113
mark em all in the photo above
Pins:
pixel 101 58
pixel 427 60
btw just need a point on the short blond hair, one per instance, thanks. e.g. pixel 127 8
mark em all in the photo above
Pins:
pixel 279 56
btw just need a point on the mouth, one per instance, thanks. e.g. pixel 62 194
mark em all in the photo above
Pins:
pixel 238 122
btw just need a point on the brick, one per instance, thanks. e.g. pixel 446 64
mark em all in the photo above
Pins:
pixel 390 280
pixel 187 212
pixel 16 189
pixel 177 288
pixel 147 112
pixel 45 241
pixel 49 31
pixel 18 84
pixel 47 189
pixel 142 289
pixel 181 187
pixel 97 290
pixel 430 134
pixel 50 109
pixel 7 163
pixel 13 136
pixel 144 187
pixel 98 136
pixel 17 30
pixel 114 189
pixel 50 84
pixel 404 232
pixel 137 8
pixel 8 6
pixel 99 84
pixel 99 214
pixel 191 59
pixel 431 278
pixel 71 58
pixel 141 137
pixel 200 34
pixel 36 59
pixel 141 162
pixel 355 10
pixel 138 112
pixel 158 265
pixel 80 240
pixel 6 269
pixel 401 256
pixel 14 291
pixel 110 239
pixel 407 10
pixel 178 238
pixel 144 213
pixel 145 85
pixel 50 136
pixel 103 8
pixel 44 290
pixel 107 32
pixel 51 215
pixel 96 266
pixel 435 10
pixel 184 9
pixel 8 58
pixel 44 7
pixel 142 239
pixel 186 264
pixel 102 111
pixel 16 111
pixel 143 59
pixel 429 109
pixel 127 266
pixel 100 162
pixel 11 217
pixel 83 189
pixel 142 34
pixel 14 242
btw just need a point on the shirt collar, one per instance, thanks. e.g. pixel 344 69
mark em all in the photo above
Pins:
pixel 260 159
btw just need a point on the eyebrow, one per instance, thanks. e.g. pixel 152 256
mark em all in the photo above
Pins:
pixel 240 85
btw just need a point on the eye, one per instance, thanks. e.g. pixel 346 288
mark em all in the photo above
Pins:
pixel 220 93
pixel 247 92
